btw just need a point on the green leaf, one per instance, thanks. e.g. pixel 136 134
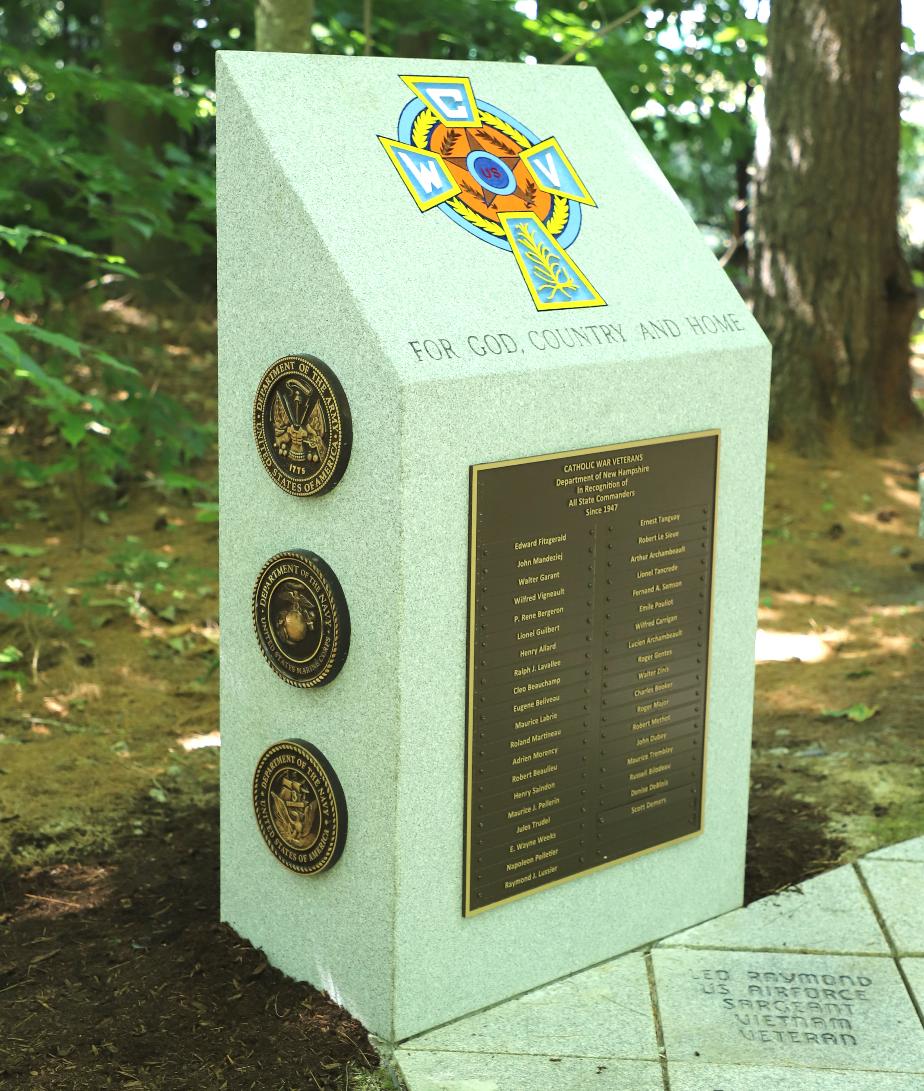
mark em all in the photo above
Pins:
pixel 117 365
pixel 9 654
pixel 74 429
pixel 727 34
pixel 174 480
pixel 15 550
pixel 9 348
pixel 58 340
pixel 858 713
pixel 207 513
pixel 26 367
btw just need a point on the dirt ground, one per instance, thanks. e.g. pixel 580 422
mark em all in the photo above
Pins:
pixel 840 701
pixel 114 970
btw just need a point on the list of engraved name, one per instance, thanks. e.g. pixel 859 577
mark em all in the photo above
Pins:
pixel 587 669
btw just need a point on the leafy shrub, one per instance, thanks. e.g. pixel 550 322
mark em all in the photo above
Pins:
pixel 94 415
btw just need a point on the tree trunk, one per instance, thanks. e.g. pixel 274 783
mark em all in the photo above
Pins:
pixel 832 289
pixel 284 26
pixel 737 252
pixel 137 45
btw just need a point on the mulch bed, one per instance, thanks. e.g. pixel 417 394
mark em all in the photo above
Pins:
pixel 787 841
pixel 116 973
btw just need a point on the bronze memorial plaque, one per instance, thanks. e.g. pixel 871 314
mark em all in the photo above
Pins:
pixel 301 618
pixel 589 611
pixel 300 806
pixel 302 425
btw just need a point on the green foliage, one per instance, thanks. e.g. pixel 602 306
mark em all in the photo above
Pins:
pixel 136 566
pixel 857 714
pixel 23 606
pixel 30 614
pixel 207 511
pixel 96 417
pixel 681 69
pixel 911 155
pixel 107 164
pixel 95 414
pixel 143 580
pixel 75 187
pixel 106 181
pixel 66 173
pixel 10 657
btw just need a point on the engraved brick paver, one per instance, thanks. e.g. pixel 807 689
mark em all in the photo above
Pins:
pixel 897 888
pixel 828 913
pixel 440 1071
pixel 815 1011
pixel 602 1012
pixel 799 992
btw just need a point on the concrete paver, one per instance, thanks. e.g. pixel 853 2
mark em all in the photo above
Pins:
pixel 602 1012
pixel 827 913
pixel 815 1011
pixel 897 887
pixel 441 1071
pixel 905 850
pixel 707 1077
pixel 913 969
pixel 798 992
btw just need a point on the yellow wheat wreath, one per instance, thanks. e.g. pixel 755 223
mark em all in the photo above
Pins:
pixel 420 136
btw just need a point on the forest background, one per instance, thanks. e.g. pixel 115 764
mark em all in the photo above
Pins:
pixel 108 506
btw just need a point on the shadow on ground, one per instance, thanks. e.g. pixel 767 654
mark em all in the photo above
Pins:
pixel 788 841
pixel 114 972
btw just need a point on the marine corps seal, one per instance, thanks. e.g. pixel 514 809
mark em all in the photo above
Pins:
pixel 301 618
pixel 300 806
pixel 302 425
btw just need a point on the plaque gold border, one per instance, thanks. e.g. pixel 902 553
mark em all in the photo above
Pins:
pixel 474 471
pixel 338 811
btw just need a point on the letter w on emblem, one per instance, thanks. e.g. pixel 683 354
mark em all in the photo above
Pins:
pixel 426 176
pixel 425 171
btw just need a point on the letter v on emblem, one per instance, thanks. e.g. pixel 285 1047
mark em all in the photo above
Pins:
pixel 552 171
pixel 548 168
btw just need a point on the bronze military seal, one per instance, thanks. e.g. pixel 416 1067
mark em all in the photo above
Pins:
pixel 300 806
pixel 301 618
pixel 302 425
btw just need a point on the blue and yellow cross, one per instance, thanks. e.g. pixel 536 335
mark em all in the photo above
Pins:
pixel 494 177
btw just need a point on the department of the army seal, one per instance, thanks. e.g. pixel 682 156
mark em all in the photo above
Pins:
pixel 302 425
pixel 301 617
pixel 300 806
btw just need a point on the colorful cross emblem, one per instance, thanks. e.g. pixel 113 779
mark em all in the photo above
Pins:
pixel 492 176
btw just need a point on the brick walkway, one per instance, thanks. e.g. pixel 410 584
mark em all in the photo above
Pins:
pixel 817 989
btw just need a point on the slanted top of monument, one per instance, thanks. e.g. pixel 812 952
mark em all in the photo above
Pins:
pixel 484 217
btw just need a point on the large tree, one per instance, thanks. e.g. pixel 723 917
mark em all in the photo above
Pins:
pixel 137 46
pixel 832 289
pixel 284 26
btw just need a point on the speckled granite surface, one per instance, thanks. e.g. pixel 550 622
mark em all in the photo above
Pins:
pixel 321 250
pixel 759 998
